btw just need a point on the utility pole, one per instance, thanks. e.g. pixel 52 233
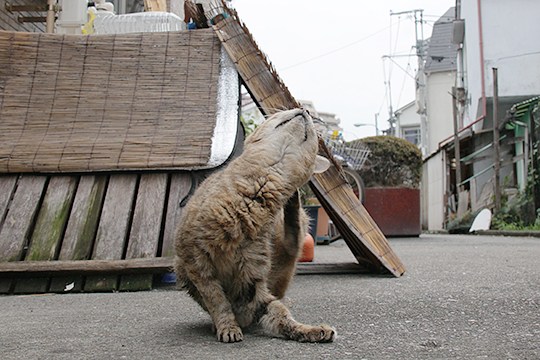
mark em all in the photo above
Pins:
pixel 420 77
pixel 391 117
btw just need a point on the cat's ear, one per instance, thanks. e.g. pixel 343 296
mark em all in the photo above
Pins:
pixel 321 164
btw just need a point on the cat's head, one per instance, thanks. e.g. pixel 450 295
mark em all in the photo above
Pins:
pixel 288 142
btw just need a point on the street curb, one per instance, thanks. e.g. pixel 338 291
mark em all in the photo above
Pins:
pixel 521 233
pixel 514 233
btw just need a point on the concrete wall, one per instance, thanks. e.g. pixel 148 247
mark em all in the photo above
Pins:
pixel 439 108
pixel 432 192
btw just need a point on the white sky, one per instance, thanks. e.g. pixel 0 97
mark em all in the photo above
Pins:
pixel 331 52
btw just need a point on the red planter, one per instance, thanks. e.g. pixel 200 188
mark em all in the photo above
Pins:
pixel 395 210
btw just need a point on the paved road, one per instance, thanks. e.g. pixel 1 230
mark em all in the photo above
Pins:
pixel 462 297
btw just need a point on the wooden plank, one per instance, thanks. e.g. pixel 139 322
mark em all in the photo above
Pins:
pixel 50 225
pixel 7 187
pixel 113 228
pixel 330 268
pixel 179 189
pixel 142 266
pixel 146 228
pixel 20 217
pixel 84 267
pixel 81 229
pixel 19 221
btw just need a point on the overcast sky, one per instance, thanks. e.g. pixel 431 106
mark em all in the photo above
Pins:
pixel 332 52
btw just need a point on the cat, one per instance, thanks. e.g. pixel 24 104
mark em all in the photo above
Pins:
pixel 243 229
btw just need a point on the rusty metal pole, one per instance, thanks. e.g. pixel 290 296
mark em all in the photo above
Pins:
pixel 496 147
pixel 51 14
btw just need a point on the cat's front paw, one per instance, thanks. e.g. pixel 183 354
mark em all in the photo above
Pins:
pixel 318 334
pixel 230 333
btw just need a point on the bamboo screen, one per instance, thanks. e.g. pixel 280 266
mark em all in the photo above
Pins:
pixel 354 223
pixel 107 102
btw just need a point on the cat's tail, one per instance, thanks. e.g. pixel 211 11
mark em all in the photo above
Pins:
pixel 277 321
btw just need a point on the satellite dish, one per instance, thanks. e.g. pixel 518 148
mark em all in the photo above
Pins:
pixel 482 221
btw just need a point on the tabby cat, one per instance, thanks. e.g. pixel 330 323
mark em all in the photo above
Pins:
pixel 242 231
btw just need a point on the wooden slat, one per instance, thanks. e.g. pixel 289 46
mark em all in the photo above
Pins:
pixel 7 187
pixel 180 185
pixel 146 229
pixel 159 265
pixel 20 217
pixel 81 228
pixel 52 218
pixel 85 267
pixel 113 227
pixel 330 268
pixel 49 228
pixel 19 221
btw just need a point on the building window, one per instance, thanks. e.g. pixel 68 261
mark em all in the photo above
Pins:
pixel 411 134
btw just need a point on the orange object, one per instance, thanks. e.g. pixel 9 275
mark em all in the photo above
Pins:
pixel 308 252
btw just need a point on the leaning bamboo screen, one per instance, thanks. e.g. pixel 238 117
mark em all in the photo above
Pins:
pixel 257 72
pixel 107 102
pixel 361 233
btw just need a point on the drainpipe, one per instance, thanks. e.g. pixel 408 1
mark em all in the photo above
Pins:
pixel 496 147
pixel 482 71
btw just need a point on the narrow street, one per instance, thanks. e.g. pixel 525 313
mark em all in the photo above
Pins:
pixel 461 297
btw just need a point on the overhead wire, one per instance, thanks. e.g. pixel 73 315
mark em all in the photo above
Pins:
pixel 406 72
pixel 336 50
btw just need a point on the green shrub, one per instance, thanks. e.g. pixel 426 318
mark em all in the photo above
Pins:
pixel 393 162
pixel 519 213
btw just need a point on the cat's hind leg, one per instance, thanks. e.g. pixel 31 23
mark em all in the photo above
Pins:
pixel 277 321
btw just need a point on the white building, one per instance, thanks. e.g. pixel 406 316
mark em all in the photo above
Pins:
pixel 489 34
pixel 408 123
pixel 440 76
pixel 504 35
pixel 501 35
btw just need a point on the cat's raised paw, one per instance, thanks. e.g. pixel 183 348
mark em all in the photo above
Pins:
pixel 230 334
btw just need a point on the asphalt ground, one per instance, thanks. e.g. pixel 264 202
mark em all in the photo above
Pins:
pixel 462 297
